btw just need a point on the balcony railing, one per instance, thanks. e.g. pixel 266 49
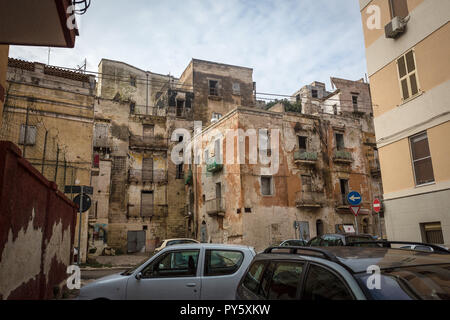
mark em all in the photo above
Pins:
pixel 305 157
pixel 374 167
pixel 102 142
pixel 154 142
pixel 215 207
pixel 147 176
pixel 149 111
pixel 341 203
pixel 213 167
pixel 154 211
pixel 343 155
pixel 310 199
pixel 186 113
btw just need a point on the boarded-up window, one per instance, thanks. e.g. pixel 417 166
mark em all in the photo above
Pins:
pixel 147 204
pixel 30 133
pixel 423 166
pixel 306 183
pixel 149 130
pixel 101 135
pixel 408 75
pixel 399 8
pixel 266 186
pixel 147 170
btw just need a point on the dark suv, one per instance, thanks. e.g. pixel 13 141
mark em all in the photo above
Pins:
pixel 339 239
pixel 346 273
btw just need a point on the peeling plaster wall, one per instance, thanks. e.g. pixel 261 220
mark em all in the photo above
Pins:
pixel 37 228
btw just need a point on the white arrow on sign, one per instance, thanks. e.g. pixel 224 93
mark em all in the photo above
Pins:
pixel 353 198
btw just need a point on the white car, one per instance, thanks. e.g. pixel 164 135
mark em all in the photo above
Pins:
pixel 179 272
pixel 172 242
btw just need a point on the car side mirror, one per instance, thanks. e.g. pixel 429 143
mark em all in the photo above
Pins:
pixel 139 276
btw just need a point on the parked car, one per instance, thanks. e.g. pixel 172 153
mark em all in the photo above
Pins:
pixel 345 273
pixel 179 272
pixel 172 242
pixel 339 239
pixel 294 243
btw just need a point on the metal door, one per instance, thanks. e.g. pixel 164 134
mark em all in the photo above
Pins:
pixel 136 241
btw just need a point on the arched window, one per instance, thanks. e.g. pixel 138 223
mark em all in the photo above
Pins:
pixel 319 228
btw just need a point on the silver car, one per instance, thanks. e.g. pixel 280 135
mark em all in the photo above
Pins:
pixel 180 272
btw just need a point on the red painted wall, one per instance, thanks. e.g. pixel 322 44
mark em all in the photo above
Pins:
pixel 22 190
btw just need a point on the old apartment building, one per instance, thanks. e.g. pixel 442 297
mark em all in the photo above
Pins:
pixel 140 196
pixel 409 70
pixel 312 156
pixel 4 51
pixel 49 114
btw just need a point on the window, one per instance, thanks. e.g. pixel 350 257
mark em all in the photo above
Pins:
pixel 30 133
pixel 266 186
pixel 220 263
pixel 322 284
pixel 421 158
pixel 236 88
pixel 399 8
pixel 285 281
pixel 314 93
pixel 216 116
pixel 148 131
pixel 408 75
pixel 180 107
pixel 173 264
pixel 340 145
pixel 306 183
pixel 432 233
pixel 133 81
pixel 331 241
pixel 213 87
pixel 344 190
pixel 335 109
pixel 147 169
pixel 302 142
pixel 265 281
pixel 217 151
pixel 147 204
pixel 253 278
pixel 315 242
pixel 355 103
pixel 132 107
pixel 180 171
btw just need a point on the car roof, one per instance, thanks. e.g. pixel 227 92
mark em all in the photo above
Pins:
pixel 358 259
pixel 208 246
pixel 176 239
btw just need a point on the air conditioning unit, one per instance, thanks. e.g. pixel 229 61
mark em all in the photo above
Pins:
pixel 395 28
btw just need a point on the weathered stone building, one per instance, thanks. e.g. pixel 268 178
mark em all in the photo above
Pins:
pixel 258 173
pixel 49 114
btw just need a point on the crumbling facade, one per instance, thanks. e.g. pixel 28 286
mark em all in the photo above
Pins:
pixel 49 114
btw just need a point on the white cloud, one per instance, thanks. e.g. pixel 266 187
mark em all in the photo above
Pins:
pixel 288 43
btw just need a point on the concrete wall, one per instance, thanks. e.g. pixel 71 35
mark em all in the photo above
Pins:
pixel 37 228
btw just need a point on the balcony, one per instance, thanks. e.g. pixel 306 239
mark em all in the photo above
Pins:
pixel 304 157
pixel 343 156
pixel 215 207
pixel 212 166
pixel 148 111
pixel 310 199
pixel 105 142
pixel 341 203
pixel 154 211
pixel 154 142
pixel 185 113
pixel 147 176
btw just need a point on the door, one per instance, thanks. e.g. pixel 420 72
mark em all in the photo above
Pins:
pixel 304 230
pixel 171 276
pixel 136 241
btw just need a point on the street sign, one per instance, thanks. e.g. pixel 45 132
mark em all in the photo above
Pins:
pixel 77 190
pixel 377 205
pixel 349 229
pixel 354 198
pixel 355 210
pixel 86 202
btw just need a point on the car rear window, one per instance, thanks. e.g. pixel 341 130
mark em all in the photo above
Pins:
pixel 253 278
pixel 422 282
pixel 285 281
pixel 222 262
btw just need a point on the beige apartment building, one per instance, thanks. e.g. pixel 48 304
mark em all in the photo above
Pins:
pixel 408 47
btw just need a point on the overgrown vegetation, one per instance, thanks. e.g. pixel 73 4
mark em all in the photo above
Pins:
pixel 288 105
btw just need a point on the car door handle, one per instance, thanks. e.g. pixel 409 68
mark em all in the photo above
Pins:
pixel 191 285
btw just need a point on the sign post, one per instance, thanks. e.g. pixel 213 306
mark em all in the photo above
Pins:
pixel 354 199
pixel 377 209
pixel 79 227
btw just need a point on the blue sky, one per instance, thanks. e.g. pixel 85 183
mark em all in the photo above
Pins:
pixel 288 43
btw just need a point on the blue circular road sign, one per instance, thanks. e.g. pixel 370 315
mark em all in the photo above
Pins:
pixel 354 198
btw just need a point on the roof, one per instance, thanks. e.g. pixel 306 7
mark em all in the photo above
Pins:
pixel 358 259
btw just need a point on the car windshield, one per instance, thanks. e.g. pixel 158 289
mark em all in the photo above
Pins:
pixel 129 272
pixel 422 282
pixel 351 239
